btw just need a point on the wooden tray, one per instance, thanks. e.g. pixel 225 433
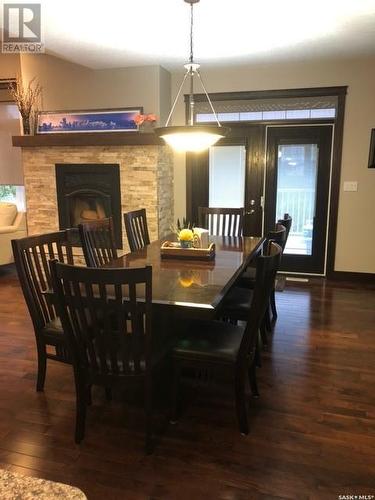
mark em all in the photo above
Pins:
pixel 170 250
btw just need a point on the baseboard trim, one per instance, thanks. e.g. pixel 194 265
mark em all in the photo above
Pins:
pixel 349 276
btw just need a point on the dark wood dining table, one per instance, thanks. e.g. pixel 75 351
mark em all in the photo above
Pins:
pixel 194 287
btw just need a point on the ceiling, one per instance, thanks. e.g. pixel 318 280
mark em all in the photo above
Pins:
pixel 119 33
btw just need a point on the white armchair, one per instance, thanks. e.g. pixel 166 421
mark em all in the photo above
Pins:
pixel 12 226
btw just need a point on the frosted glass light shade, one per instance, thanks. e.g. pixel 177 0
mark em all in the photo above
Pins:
pixel 191 138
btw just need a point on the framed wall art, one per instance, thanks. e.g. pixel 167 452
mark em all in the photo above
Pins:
pixel 99 120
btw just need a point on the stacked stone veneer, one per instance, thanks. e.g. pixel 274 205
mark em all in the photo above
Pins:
pixel 146 178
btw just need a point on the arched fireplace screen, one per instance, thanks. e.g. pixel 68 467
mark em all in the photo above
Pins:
pixel 88 192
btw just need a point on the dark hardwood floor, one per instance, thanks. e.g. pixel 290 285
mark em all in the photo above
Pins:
pixel 312 430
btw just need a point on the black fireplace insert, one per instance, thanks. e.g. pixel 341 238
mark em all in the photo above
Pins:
pixel 88 191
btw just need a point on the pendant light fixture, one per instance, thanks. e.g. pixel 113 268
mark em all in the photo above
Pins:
pixel 191 137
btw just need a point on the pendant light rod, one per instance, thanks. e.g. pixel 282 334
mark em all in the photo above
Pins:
pixel 208 99
pixel 191 137
pixel 191 60
pixel 191 32
pixel 191 98
pixel 192 69
pixel 177 96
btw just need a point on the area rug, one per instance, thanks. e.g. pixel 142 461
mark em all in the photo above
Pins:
pixel 14 486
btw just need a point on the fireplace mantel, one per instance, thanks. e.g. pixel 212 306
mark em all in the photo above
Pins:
pixel 88 139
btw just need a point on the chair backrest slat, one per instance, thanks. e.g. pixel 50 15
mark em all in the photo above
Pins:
pixel 279 235
pixel 137 229
pixel 31 256
pixel 221 221
pixel 287 223
pixel 98 242
pixel 96 307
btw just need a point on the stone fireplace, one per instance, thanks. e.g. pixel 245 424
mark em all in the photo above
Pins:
pixel 87 192
pixel 145 180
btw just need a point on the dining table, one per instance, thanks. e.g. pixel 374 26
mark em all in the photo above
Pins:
pixel 184 290
pixel 192 287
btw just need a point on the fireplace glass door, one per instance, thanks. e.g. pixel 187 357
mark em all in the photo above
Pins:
pixel 88 192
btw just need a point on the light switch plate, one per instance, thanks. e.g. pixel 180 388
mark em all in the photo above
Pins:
pixel 350 186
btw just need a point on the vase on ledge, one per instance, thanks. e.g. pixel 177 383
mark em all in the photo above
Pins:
pixel 147 127
pixel 26 125
pixel 186 244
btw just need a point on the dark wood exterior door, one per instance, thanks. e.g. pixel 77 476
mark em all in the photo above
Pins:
pixel 251 140
pixel 298 170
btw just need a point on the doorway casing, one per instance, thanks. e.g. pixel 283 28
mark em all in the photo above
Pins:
pixel 197 173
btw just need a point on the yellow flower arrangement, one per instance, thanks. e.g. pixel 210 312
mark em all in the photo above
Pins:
pixel 186 235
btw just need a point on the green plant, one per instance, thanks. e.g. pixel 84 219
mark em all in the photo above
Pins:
pixel 185 224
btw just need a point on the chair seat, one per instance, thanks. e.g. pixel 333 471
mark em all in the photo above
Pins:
pixel 210 341
pixel 53 332
pixel 249 273
pixel 238 300
pixel 247 278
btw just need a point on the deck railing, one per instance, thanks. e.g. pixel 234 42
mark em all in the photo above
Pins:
pixel 299 204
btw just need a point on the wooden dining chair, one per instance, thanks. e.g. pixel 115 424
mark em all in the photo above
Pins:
pixel 279 235
pixel 221 221
pixel 136 229
pixel 31 256
pixel 239 297
pixel 98 242
pixel 108 331
pixel 225 350
pixel 287 223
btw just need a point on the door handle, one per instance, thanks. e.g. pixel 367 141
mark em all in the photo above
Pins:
pixel 250 212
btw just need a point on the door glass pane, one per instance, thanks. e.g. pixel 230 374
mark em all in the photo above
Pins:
pixel 227 176
pixel 297 168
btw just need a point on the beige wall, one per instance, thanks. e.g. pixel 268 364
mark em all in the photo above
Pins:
pixel 355 232
pixel 9 65
pixel 165 94
pixel 71 86
pixel 10 158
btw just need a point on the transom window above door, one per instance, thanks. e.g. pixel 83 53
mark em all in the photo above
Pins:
pixel 258 110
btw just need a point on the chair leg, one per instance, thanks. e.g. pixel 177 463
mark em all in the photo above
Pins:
pixel 263 333
pixel 267 320
pixel 258 357
pixel 89 395
pixel 273 305
pixel 108 393
pixel 149 443
pixel 175 387
pixel 42 366
pixel 253 380
pixel 81 403
pixel 241 406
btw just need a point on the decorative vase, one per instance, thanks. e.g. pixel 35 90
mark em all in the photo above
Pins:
pixel 26 125
pixel 186 244
pixel 147 127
